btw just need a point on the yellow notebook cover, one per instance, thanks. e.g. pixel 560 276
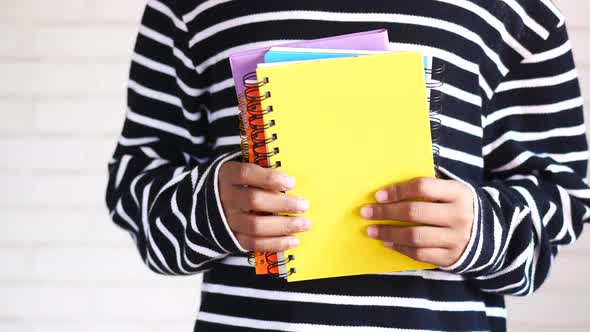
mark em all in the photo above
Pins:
pixel 346 128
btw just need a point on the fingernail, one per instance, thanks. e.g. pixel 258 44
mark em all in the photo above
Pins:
pixel 367 212
pixel 293 242
pixel 372 231
pixel 305 224
pixel 288 182
pixel 302 205
pixel 388 244
pixel 381 196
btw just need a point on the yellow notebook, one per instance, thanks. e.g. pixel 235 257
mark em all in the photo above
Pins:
pixel 345 128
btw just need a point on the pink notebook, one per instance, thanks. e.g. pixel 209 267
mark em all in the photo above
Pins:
pixel 245 62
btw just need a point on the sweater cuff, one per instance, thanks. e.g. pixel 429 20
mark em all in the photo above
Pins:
pixel 219 228
pixel 473 246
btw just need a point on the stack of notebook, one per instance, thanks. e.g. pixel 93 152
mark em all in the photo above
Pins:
pixel 345 117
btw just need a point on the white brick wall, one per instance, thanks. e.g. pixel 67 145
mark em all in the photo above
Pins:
pixel 64 266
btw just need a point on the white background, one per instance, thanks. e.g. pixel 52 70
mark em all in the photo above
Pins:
pixel 63 265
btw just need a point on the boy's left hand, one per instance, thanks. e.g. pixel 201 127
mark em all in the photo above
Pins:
pixel 443 214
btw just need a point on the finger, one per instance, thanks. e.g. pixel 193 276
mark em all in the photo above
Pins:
pixel 243 174
pixel 428 189
pixel 418 236
pixel 267 244
pixel 437 214
pixel 253 199
pixel 435 256
pixel 268 226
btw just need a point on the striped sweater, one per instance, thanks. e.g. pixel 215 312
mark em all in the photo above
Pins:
pixel 512 128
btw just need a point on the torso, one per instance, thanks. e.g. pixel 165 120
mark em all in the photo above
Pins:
pixel 475 57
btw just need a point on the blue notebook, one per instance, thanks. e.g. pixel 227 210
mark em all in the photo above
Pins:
pixel 290 54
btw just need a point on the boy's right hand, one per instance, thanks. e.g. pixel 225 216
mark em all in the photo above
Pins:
pixel 248 192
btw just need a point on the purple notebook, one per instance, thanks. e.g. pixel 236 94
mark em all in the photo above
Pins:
pixel 245 62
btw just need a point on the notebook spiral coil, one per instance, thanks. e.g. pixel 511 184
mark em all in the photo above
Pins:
pixel 434 82
pixel 279 264
pixel 255 124
pixel 254 142
pixel 243 128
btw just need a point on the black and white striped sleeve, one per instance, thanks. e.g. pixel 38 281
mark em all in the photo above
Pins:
pixel 162 186
pixel 535 198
